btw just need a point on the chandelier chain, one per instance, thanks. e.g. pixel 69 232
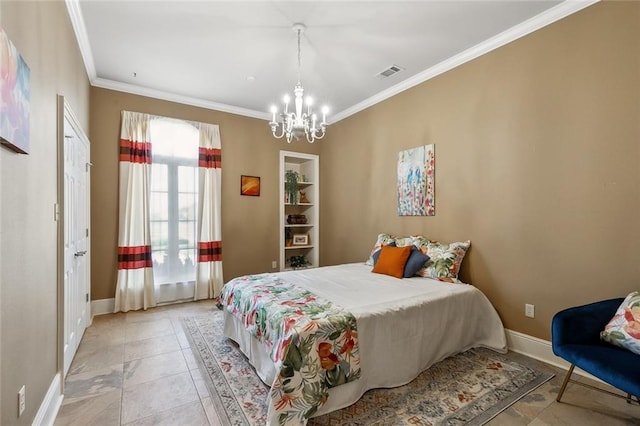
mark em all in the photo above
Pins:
pixel 299 55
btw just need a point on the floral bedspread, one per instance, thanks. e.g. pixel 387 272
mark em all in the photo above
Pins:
pixel 313 342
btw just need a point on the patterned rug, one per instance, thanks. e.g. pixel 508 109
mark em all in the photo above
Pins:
pixel 469 388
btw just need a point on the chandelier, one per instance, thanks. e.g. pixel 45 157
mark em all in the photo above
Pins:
pixel 298 123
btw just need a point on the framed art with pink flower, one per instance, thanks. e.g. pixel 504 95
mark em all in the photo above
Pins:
pixel 416 181
pixel 14 97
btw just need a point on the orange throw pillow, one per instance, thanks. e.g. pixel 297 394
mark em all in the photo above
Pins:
pixel 392 260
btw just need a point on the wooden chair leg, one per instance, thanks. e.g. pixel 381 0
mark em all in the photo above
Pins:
pixel 565 382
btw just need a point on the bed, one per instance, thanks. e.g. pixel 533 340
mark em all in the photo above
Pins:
pixel 403 327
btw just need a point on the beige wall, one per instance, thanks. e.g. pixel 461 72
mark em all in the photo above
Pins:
pixel 42 33
pixel 249 224
pixel 537 151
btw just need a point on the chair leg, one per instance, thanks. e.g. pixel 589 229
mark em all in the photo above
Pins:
pixel 630 399
pixel 565 382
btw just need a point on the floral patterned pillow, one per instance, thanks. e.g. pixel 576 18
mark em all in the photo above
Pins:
pixel 385 240
pixel 624 328
pixel 444 259
pixel 404 241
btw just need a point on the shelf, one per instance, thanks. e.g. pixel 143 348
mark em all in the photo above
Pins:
pixel 307 167
pixel 305 184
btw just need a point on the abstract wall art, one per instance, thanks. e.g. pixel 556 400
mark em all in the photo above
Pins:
pixel 250 185
pixel 14 97
pixel 416 181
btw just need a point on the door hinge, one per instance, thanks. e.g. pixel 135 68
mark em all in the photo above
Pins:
pixel 87 233
pixel 86 296
pixel 87 166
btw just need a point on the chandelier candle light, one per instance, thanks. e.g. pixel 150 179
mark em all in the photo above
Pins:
pixel 298 123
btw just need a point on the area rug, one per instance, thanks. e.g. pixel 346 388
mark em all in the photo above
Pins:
pixel 469 388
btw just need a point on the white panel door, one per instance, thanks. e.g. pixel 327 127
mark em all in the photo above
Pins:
pixel 76 235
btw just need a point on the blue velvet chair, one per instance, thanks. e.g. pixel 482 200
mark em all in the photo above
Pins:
pixel 575 337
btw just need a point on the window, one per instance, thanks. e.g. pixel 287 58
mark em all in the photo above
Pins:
pixel 173 209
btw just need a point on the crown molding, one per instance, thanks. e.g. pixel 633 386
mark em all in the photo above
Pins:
pixel 548 17
pixel 188 100
pixel 79 28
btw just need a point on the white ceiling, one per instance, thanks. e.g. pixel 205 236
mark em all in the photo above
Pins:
pixel 240 56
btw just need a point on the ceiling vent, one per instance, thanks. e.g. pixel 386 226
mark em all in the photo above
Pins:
pixel 389 71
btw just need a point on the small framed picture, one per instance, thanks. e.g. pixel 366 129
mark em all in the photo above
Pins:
pixel 300 239
pixel 250 185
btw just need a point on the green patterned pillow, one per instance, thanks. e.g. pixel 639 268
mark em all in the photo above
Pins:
pixel 404 241
pixel 624 328
pixel 444 259
pixel 385 240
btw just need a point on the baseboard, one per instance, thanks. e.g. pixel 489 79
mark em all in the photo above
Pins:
pixel 541 350
pixel 48 410
pixel 102 306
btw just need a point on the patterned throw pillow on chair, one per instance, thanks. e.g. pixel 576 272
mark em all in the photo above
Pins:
pixel 624 328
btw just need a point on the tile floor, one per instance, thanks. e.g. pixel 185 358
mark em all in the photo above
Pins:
pixel 137 369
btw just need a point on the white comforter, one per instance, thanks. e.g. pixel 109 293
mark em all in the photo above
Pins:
pixel 404 326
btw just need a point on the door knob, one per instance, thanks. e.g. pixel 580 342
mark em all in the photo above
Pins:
pixel 80 253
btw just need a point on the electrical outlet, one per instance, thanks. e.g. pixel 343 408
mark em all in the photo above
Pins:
pixel 22 400
pixel 529 310
pixel 274 264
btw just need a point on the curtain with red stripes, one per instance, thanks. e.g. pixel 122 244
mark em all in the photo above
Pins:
pixel 209 268
pixel 134 288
